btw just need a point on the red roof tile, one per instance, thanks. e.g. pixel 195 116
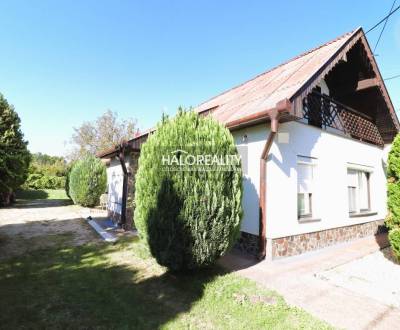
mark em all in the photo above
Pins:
pixel 284 82
pixel 267 89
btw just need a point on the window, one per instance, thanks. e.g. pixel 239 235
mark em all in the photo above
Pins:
pixel 358 191
pixel 305 176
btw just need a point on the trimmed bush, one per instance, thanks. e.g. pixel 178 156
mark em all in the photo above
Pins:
pixel 188 216
pixel 394 238
pixel 87 181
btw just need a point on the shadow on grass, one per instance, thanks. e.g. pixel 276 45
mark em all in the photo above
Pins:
pixel 31 194
pixel 102 286
pixel 79 288
pixel 39 203
pixel 26 199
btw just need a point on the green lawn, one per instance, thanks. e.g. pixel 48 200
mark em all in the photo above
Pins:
pixel 120 286
pixel 31 194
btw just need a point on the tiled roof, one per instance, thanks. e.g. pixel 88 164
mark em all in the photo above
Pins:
pixel 267 89
pixel 287 81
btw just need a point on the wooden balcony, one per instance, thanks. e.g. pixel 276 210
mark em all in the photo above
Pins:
pixel 321 111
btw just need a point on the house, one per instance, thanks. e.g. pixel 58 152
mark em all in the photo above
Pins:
pixel 315 131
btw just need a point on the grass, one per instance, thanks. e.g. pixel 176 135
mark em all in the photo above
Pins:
pixel 120 286
pixel 30 194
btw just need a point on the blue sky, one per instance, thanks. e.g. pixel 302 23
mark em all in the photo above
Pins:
pixel 64 62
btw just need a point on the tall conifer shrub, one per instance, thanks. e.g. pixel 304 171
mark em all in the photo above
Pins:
pixel 14 154
pixel 393 173
pixel 188 215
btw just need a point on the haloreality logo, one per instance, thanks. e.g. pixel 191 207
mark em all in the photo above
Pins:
pixel 183 160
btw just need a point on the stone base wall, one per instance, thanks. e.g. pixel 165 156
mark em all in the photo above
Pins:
pixel 297 244
pixel 247 243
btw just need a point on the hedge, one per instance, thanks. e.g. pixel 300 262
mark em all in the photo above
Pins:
pixel 40 181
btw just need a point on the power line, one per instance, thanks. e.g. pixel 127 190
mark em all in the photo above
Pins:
pixel 383 19
pixel 384 26
pixel 393 77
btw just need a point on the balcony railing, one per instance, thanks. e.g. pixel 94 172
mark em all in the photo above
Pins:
pixel 322 111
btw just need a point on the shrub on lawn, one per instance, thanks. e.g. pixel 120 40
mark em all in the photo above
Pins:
pixel 189 216
pixel 87 181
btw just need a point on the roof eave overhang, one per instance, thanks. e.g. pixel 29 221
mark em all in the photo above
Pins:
pixel 110 153
pixel 340 54
pixel 284 106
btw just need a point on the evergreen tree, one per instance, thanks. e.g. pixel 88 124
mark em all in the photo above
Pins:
pixel 189 215
pixel 393 219
pixel 14 155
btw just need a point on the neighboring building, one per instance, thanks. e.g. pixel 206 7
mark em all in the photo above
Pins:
pixel 316 131
pixel 128 155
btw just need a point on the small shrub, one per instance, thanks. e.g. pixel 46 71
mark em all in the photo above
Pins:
pixel 394 239
pixel 41 181
pixel 32 182
pixel 87 181
pixel 188 218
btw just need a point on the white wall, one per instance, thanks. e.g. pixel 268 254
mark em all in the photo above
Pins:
pixel 332 152
pixel 256 138
pixel 115 179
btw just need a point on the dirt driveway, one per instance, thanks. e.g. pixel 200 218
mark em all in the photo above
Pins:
pixel 30 225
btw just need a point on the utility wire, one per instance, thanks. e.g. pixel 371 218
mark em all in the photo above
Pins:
pixel 384 26
pixel 383 19
pixel 393 77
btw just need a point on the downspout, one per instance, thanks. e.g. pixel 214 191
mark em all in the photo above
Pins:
pixel 121 157
pixel 283 106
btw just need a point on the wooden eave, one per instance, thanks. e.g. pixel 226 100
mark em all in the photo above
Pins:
pixel 340 54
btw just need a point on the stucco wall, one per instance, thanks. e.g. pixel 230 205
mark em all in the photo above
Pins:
pixel 333 153
pixel 253 146
pixel 114 181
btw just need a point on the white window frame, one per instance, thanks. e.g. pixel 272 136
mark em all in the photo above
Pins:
pixel 360 184
pixel 305 188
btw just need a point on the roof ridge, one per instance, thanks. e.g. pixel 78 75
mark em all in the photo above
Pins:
pixel 280 65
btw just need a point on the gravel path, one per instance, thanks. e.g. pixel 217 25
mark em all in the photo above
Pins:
pixel 30 225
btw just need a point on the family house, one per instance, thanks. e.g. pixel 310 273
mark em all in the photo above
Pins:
pixel 314 132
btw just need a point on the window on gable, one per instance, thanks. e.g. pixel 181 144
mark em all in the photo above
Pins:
pixel 305 178
pixel 358 191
